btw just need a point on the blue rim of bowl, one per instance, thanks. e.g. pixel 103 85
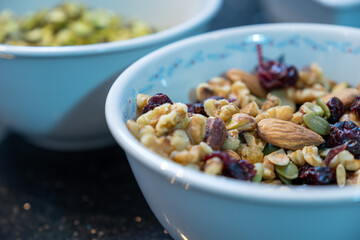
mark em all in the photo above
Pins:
pixel 199 181
pixel 205 14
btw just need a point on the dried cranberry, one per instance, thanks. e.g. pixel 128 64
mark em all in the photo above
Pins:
pixel 197 108
pixel 317 175
pixel 342 132
pixel 240 169
pixel 354 148
pixel 337 109
pixel 355 107
pixel 274 74
pixel 156 100
pixel 333 152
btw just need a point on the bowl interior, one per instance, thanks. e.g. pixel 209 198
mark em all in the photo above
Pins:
pixel 177 69
pixel 163 14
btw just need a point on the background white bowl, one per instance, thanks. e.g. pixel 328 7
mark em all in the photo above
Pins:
pixel 341 12
pixel 55 96
pixel 193 205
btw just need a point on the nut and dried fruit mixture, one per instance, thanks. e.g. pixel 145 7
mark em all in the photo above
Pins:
pixel 69 23
pixel 276 125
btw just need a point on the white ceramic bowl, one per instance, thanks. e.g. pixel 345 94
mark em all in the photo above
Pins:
pixel 193 205
pixel 341 12
pixel 55 96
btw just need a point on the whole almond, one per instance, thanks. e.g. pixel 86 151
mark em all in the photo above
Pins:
pixel 249 80
pixel 287 135
pixel 347 96
pixel 215 133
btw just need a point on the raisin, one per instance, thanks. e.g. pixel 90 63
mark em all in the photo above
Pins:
pixel 155 101
pixel 317 175
pixel 355 107
pixel 274 74
pixel 337 109
pixel 342 132
pixel 240 169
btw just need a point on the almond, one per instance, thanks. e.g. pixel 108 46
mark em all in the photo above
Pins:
pixel 249 80
pixel 287 135
pixel 347 96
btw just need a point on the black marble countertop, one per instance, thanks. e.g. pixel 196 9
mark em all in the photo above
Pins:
pixel 83 195
pixel 66 195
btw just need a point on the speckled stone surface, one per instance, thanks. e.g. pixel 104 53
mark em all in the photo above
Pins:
pixel 84 195
pixel 49 195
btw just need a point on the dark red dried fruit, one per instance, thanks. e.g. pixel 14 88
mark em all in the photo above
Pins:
pixel 242 169
pixel 274 74
pixel 342 132
pixel 355 107
pixel 197 108
pixel 337 109
pixel 317 175
pixel 155 101
pixel 333 152
pixel 239 169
